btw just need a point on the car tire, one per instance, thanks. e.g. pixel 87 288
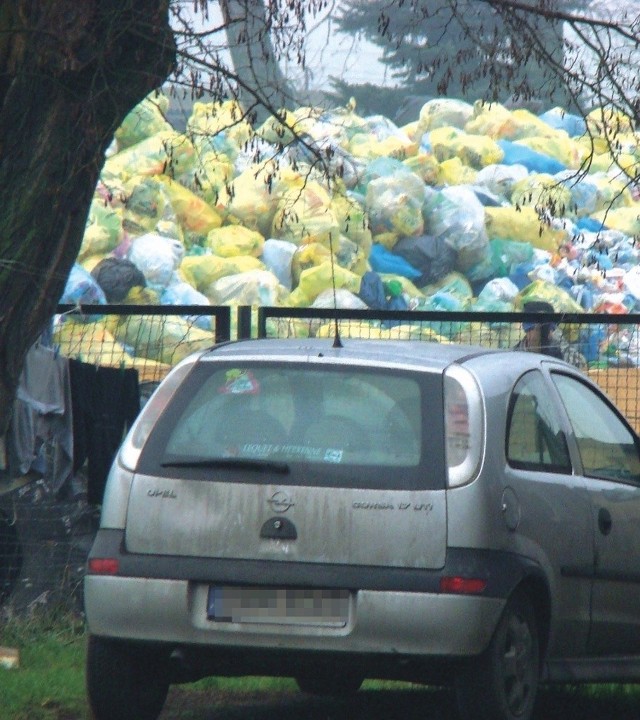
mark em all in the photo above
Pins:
pixel 125 681
pixel 329 683
pixel 501 683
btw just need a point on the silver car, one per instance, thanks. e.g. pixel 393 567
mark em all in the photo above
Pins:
pixel 436 513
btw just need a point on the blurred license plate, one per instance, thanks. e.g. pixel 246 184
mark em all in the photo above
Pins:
pixel 288 606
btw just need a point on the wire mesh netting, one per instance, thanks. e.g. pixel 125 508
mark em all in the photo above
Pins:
pixel 45 536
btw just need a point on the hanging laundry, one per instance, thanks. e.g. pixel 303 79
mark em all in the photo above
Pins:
pixel 40 436
pixel 105 403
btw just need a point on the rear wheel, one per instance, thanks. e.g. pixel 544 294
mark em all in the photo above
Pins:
pixel 501 684
pixel 125 681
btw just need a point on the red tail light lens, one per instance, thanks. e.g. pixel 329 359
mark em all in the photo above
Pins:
pixel 458 585
pixel 104 566
pixel 464 426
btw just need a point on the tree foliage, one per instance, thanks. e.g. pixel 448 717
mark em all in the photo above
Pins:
pixel 539 52
pixel 462 49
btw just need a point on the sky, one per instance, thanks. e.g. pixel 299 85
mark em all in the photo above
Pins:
pixel 330 53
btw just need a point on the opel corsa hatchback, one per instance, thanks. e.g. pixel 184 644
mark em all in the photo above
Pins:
pixel 406 510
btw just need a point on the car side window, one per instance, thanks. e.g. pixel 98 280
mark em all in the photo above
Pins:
pixel 535 440
pixel 608 448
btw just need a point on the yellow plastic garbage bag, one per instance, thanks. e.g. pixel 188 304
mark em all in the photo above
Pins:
pixel 476 151
pixel 255 193
pixel 424 165
pixel 543 191
pixel 306 256
pixel 612 193
pixel 103 231
pixel 192 211
pixel 202 270
pixel 278 129
pixel 454 172
pixel 529 125
pixel 622 164
pixel 353 221
pixel 625 219
pixel 94 344
pixel 412 130
pixel 559 146
pixel 147 204
pixel 234 240
pixel 210 179
pixel 321 277
pixel 145 119
pixel 608 122
pixel 545 291
pixel 166 339
pixel 523 225
pixel 492 120
pixel 454 284
pixel 165 152
pixel 305 215
pixel 209 119
pixel 398 146
pixel 443 112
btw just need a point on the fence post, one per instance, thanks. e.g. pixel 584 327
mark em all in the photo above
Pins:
pixel 223 324
pixel 244 322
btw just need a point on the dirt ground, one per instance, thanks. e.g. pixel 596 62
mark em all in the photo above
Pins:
pixel 418 704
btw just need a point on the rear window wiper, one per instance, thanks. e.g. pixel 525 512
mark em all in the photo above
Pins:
pixel 242 463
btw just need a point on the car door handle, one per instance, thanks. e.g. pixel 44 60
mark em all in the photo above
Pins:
pixel 604 521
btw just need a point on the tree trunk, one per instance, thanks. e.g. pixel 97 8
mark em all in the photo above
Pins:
pixel 263 88
pixel 70 72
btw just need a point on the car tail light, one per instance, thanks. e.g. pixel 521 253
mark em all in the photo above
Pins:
pixel 464 425
pixel 458 585
pixel 104 566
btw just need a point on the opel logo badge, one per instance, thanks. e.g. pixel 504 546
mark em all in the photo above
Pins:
pixel 280 502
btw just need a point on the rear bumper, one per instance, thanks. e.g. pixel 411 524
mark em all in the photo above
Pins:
pixel 175 612
pixel 392 610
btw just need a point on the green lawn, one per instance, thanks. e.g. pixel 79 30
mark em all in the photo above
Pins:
pixel 49 682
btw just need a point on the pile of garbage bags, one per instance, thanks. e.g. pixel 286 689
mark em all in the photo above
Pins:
pixel 469 207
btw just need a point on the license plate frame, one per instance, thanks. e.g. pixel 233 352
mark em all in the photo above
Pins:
pixel 256 604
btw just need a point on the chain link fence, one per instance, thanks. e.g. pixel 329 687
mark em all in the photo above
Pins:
pixel 45 537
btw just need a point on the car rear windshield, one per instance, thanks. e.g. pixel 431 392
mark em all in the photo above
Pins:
pixel 317 425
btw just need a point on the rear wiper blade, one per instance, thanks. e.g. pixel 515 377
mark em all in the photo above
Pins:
pixel 243 463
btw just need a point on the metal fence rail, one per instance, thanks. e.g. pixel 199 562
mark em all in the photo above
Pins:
pixel 44 540
pixel 606 347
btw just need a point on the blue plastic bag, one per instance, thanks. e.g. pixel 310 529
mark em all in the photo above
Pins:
pixel 82 289
pixel 517 154
pixel 384 261
pixel 573 125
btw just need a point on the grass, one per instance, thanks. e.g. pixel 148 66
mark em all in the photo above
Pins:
pixel 49 682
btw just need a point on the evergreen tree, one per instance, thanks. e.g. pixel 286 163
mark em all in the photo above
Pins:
pixel 467 49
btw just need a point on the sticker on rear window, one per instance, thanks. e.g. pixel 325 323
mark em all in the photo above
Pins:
pixel 333 455
pixel 239 382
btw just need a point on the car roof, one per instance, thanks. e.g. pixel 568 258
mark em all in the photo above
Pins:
pixel 402 352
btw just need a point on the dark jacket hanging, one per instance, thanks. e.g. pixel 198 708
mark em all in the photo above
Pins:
pixel 106 401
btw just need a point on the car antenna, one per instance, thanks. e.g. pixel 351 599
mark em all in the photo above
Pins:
pixel 337 342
